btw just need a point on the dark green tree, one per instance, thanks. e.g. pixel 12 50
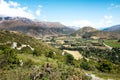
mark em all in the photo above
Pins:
pixel 69 59
pixel 105 66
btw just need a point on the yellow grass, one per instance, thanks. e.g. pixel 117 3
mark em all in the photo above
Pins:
pixel 75 54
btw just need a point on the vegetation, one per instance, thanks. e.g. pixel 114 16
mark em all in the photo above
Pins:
pixel 44 62
pixel 113 43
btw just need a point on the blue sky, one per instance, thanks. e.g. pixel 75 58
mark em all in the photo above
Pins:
pixel 96 13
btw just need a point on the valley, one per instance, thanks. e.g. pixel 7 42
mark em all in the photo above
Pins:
pixel 84 54
pixel 91 52
pixel 59 39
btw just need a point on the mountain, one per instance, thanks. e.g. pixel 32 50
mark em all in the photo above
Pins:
pixel 115 28
pixel 89 32
pixel 34 28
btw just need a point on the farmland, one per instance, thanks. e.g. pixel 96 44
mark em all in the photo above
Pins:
pixel 112 43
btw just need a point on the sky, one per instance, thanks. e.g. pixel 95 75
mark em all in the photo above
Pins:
pixel 96 13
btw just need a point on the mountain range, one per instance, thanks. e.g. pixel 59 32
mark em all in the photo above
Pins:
pixel 41 29
pixel 34 28
pixel 115 28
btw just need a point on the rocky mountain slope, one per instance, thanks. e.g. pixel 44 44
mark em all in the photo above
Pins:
pixel 34 28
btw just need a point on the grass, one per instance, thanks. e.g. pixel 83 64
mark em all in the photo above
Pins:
pixel 104 76
pixel 59 69
pixel 75 54
pixel 107 76
pixel 112 43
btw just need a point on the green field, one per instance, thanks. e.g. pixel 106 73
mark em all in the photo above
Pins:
pixel 112 43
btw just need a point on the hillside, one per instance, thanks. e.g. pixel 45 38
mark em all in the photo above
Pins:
pixel 83 31
pixel 89 32
pixel 34 28
pixel 115 28
pixel 25 58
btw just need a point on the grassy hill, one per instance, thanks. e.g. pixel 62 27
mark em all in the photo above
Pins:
pixel 89 32
pixel 43 62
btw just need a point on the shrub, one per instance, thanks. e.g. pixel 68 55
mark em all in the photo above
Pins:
pixel 86 65
pixel 9 58
pixel 29 63
pixel 50 54
pixel 69 59
pixel 105 66
pixel 35 52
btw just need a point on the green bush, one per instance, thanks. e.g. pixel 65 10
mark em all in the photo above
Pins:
pixel 35 52
pixel 86 65
pixel 29 63
pixel 105 66
pixel 9 58
pixel 50 54
pixel 69 59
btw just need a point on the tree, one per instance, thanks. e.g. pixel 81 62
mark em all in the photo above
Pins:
pixel 69 59
pixel 9 58
pixel 86 65
pixel 105 66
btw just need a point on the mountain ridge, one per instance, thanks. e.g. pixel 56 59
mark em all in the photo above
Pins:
pixel 34 28
pixel 114 28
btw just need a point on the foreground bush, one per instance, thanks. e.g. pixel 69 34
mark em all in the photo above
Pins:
pixel 9 58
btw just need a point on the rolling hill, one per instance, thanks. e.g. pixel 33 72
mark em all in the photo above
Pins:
pixel 89 32
pixel 34 28
pixel 10 37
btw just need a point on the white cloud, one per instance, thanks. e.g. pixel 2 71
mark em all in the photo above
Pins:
pixel 106 21
pixel 81 23
pixel 108 17
pixel 38 12
pixel 14 4
pixel 14 9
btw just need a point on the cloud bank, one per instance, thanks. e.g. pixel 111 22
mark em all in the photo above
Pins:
pixel 14 9
pixel 81 23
